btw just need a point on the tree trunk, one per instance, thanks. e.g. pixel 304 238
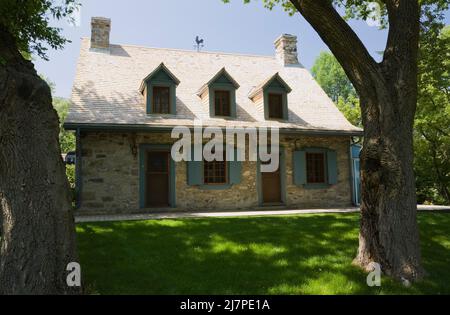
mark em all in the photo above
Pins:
pixel 388 96
pixel 38 235
pixel 388 229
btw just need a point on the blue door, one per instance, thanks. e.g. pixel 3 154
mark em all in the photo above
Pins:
pixel 356 172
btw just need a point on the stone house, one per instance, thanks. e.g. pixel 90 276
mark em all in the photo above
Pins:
pixel 127 99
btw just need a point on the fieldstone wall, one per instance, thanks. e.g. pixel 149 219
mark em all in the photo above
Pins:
pixel 110 177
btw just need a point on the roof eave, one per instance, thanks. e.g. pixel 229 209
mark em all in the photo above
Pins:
pixel 162 128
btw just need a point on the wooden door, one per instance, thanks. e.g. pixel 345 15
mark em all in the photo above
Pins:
pixel 157 177
pixel 271 187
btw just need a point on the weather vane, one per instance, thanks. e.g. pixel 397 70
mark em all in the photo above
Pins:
pixel 199 43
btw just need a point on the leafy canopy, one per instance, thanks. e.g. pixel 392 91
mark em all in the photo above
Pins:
pixel 28 22
pixel 361 9
pixel 432 122
pixel 329 74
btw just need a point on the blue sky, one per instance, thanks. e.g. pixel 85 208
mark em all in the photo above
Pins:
pixel 232 27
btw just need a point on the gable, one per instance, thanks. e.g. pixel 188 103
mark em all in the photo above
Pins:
pixel 160 75
pixel 275 84
pixel 223 79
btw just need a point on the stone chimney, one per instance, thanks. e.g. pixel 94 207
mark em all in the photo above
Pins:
pixel 100 29
pixel 286 50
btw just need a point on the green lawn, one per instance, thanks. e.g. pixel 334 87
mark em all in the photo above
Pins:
pixel 304 254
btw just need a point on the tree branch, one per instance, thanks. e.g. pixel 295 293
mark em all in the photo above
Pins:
pixel 400 56
pixel 342 41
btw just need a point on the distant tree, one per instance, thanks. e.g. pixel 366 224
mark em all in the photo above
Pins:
pixel 38 233
pixel 432 123
pixel 351 109
pixel 66 138
pixel 332 78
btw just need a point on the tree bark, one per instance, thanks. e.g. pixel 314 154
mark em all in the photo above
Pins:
pixel 388 96
pixel 38 233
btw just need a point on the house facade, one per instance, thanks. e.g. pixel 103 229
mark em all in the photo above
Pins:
pixel 126 100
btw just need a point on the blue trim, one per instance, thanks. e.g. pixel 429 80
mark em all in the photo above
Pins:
pixel 282 178
pixel 228 185
pixel 173 96
pixel 317 186
pixel 283 93
pixel 143 149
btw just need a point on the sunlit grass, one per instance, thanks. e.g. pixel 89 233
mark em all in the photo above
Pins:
pixel 304 254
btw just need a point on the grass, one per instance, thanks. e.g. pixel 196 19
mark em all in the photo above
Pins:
pixel 304 254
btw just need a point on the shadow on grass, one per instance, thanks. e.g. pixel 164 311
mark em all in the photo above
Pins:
pixel 307 254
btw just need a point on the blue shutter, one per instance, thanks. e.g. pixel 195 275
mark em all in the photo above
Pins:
pixel 332 167
pixel 195 173
pixel 235 169
pixel 299 168
pixel 194 170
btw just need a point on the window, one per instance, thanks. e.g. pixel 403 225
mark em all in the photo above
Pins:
pixel 215 172
pixel 222 103
pixel 275 106
pixel 315 168
pixel 161 100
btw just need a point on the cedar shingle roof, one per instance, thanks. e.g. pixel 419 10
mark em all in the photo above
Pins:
pixel 106 90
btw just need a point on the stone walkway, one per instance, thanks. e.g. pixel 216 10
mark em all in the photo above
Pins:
pixel 178 215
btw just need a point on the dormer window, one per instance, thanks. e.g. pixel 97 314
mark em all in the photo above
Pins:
pixel 159 90
pixel 271 96
pixel 220 95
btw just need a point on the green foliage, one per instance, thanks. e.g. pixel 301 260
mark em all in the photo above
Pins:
pixel 329 74
pixel 28 21
pixel 66 138
pixel 270 4
pixel 374 10
pixel 70 172
pixel 432 123
pixel 351 109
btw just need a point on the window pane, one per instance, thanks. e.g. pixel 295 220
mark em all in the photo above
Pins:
pixel 222 103
pixel 315 167
pixel 161 100
pixel 215 172
pixel 275 106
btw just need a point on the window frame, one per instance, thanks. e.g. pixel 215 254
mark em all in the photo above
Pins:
pixel 300 168
pixel 284 105
pixel 169 100
pixel 225 167
pixel 280 97
pixel 323 170
pixel 228 93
